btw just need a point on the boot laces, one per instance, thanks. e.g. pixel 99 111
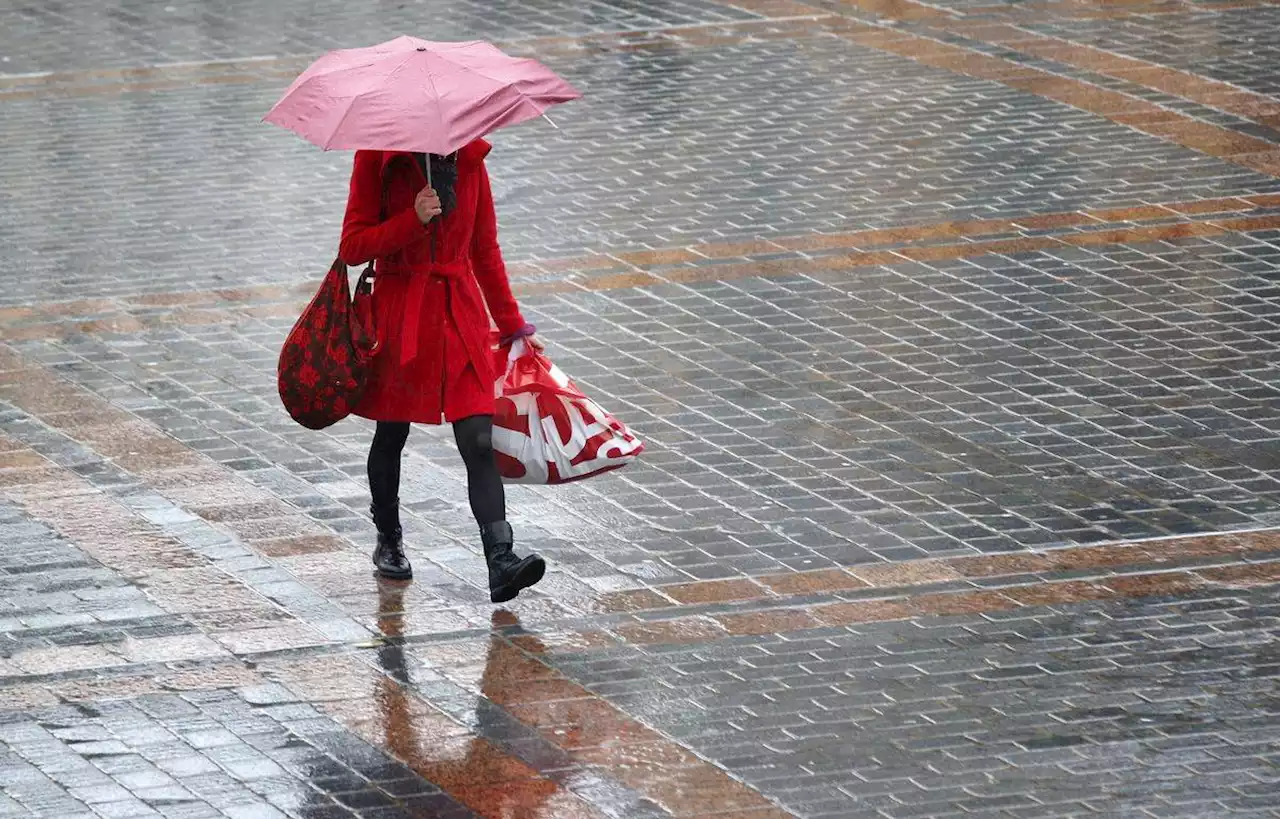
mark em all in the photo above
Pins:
pixel 393 550
pixel 501 556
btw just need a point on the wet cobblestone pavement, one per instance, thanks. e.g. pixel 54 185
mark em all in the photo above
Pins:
pixel 951 328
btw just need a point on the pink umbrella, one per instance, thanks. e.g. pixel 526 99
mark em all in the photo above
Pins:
pixel 415 95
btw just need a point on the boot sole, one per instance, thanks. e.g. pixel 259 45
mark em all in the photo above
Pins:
pixel 392 574
pixel 529 575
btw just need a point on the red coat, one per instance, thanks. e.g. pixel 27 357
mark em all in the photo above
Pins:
pixel 434 358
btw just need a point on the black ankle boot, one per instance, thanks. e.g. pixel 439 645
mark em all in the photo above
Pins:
pixel 508 574
pixel 389 556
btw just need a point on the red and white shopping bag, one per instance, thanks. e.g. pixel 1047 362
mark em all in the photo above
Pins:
pixel 545 430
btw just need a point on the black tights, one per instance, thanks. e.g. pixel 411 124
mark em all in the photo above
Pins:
pixel 474 436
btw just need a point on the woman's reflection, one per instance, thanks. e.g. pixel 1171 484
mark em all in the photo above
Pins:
pixel 468 767
pixel 393 701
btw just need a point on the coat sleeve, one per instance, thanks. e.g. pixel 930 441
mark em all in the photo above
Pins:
pixel 486 261
pixel 365 235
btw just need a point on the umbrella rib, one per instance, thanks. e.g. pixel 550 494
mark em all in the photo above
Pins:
pixel 501 83
pixel 439 114
pixel 350 106
pixel 341 121
pixel 330 64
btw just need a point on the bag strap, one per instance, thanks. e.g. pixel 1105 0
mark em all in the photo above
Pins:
pixel 369 342
pixel 363 285
pixel 382 211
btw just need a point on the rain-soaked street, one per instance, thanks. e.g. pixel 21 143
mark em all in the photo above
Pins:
pixel 951 329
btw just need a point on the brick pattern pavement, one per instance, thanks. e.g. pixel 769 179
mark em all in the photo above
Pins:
pixel 923 404
pixel 708 261
pixel 55 597
pixel 1203 44
pixel 964 150
pixel 1101 68
pixel 1119 677
pixel 949 327
pixel 1098 709
pixel 210 753
pixel 1128 103
pixel 1103 63
pixel 116 34
pixel 203 754
pixel 1040 11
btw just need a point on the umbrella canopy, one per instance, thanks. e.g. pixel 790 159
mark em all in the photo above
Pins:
pixel 415 95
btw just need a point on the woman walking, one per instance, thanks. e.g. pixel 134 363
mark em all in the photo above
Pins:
pixel 437 265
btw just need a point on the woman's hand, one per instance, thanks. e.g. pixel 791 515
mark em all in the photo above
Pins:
pixel 427 205
pixel 535 343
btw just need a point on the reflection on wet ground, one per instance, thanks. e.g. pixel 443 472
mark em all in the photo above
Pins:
pixel 465 762
pixel 950 328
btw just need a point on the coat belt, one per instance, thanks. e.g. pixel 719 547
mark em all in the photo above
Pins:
pixel 419 280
